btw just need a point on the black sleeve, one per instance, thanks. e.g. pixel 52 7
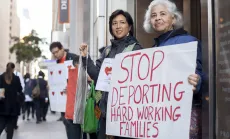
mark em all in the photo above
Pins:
pixel 1 85
pixel 92 69
pixel 137 47
pixel 34 83
pixel 46 90
pixel 71 56
pixel 18 84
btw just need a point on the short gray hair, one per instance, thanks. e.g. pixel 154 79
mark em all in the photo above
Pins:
pixel 171 8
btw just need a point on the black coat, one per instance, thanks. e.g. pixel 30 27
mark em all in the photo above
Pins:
pixel 117 47
pixel 43 87
pixel 10 105
pixel 69 56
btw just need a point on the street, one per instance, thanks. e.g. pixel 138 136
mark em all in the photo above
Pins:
pixel 51 129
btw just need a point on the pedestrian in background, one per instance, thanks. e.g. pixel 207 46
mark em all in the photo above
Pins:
pixel 29 104
pixel 41 101
pixel 10 96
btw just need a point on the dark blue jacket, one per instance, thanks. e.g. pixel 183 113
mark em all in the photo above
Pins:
pixel 179 36
pixel 29 86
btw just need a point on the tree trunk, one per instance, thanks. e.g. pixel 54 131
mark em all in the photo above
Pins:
pixel 23 65
pixel 28 68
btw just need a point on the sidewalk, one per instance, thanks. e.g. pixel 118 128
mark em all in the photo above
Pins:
pixel 51 129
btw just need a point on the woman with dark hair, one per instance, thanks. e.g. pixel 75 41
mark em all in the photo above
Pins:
pixel 9 99
pixel 121 28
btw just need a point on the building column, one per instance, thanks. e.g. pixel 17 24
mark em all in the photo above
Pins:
pixel 76 25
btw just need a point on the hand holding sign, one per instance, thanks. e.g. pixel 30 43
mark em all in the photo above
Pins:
pixel 2 93
pixel 84 49
pixel 194 79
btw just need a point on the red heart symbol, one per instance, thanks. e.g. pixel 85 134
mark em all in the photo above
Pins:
pixel 59 71
pixel 62 93
pixel 69 67
pixel 108 70
pixel 53 93
pixel 51 73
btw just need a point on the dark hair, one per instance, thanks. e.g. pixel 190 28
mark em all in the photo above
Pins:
pixel 9 71
pixel 27 76
pixel 40 73
pixel 128 17
pixel 54 45
pixel 76 60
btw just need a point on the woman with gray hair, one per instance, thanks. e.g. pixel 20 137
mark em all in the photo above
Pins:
pixel 164 20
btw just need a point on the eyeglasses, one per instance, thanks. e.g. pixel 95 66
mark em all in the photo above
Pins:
pixel 55 52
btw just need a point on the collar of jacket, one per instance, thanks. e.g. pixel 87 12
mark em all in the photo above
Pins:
pixel 128 40
pixel 67 57
pixel 169 34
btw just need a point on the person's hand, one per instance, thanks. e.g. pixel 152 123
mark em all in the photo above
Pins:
pixel 46 100
pixel 89 79
pixel 84 49
pixel 193 79
pixel 65 91
pixel 2 93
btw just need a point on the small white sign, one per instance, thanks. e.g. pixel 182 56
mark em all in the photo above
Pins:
pixel 104 79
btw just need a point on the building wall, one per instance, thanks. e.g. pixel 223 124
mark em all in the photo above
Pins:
pixel 145 39
pixel 10 26
pixel 99 27
pixel 55 24
pixel 4 33
pixel 14 30
pixel 60 32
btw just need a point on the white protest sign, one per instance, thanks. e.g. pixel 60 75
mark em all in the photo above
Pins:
pixel 150 97
pixel 57 83
pixel 104 78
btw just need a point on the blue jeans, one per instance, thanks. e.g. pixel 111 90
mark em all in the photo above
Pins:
pixel 73 131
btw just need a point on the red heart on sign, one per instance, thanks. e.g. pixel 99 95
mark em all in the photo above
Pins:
pixel 108 70
pixel 62 93
pixel 59 71
pixel 51 73
pixel 53 93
